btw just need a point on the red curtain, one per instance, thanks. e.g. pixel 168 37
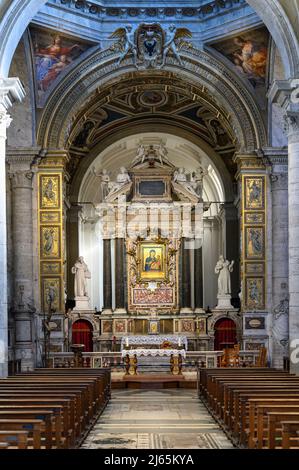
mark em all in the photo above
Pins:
pixel 225 334
pixel 82 333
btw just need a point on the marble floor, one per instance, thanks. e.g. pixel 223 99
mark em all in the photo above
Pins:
pixel 156 419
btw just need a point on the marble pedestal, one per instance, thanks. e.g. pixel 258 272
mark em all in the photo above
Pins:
pixel 224 302
pixel 82 303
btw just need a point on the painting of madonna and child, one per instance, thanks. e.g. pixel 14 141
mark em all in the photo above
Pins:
pixel 152 261
pixel 249 53
pixel 53 53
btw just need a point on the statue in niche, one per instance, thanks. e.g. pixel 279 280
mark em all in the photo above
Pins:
pixel 224 268
pixel 126 36
pixel 180 176
pixel 122 179
pixel 82 273
pixel 174 38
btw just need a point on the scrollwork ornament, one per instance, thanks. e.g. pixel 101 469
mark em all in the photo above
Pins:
pixel 5 119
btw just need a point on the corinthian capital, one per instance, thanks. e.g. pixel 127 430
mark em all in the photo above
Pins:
pixel 292 123
pixel 21 179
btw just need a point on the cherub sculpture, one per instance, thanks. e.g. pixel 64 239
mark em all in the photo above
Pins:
pixel 126 37
pixel 174 37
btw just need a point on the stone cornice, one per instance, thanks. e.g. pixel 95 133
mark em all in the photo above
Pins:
pixel 249 162
pixel 11 90
pixel 55 159
pixel 21 157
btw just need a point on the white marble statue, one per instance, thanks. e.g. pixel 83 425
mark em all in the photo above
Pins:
pixel 104 182
pixel 180 176
pixel 224 268
pixel 197 180
pixel 81 272
pixel 122 179
pixel 140 155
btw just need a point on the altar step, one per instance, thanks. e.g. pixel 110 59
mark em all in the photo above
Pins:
pixel 153 381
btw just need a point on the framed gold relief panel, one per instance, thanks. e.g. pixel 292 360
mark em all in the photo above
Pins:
pixel 255 269
pixel 254 218
pixel 50 267
pixel 255 293
pixel 254 242
pixel 254 188
pixel 49 191
pixel 152 261
pixel 51 292
pixel 50 242
pixel 50 217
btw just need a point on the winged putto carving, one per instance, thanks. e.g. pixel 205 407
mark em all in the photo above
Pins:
pixel 150 44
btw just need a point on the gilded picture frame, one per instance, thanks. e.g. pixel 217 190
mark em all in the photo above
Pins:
pixel 152 261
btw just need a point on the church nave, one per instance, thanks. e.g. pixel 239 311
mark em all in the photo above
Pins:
pixel 156 419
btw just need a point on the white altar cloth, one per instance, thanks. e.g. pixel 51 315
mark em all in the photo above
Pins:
pixel 179 340
pixel 153 352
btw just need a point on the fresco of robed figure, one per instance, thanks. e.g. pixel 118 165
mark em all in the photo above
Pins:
pixel 152 261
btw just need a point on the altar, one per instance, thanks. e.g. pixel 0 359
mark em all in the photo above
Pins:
pixel 172 347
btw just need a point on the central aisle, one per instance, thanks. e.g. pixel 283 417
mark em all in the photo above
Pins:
pixel 156 419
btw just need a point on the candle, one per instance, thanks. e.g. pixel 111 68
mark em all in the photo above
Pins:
pixel 127 342
pixel 179 342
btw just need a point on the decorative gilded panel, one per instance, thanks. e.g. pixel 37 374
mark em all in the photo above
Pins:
pixel 253 218
pixel 50 192
pixel 51 292
pixel 254 268
pixel 254 188
pixel 50 245
pixel 255 293
pixel 254 241
pixel 50 267
pixel 50 239
pixel 52 217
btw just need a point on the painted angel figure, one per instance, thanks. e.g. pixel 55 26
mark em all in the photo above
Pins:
pixel 126 36
pixel 173 35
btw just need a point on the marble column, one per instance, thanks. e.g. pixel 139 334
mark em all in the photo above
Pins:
pixel 278 328
pixel 198 280
pixel 107 275
pixel 293 198
pixel 11 90
pixel 21 175
pixel 186 302
pixel 232 245
pixel 72 245
pixel 120 275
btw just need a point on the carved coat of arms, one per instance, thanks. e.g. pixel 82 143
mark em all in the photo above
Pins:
pixel 149 44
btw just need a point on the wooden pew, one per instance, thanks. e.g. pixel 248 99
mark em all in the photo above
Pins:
pixel 15 439
pixel 33 426
pixel 70 399
pixel 228 393
pixel 290 434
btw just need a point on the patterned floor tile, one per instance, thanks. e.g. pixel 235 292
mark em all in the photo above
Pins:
pixel 156 419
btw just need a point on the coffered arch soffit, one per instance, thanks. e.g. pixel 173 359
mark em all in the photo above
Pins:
pixel 98 80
